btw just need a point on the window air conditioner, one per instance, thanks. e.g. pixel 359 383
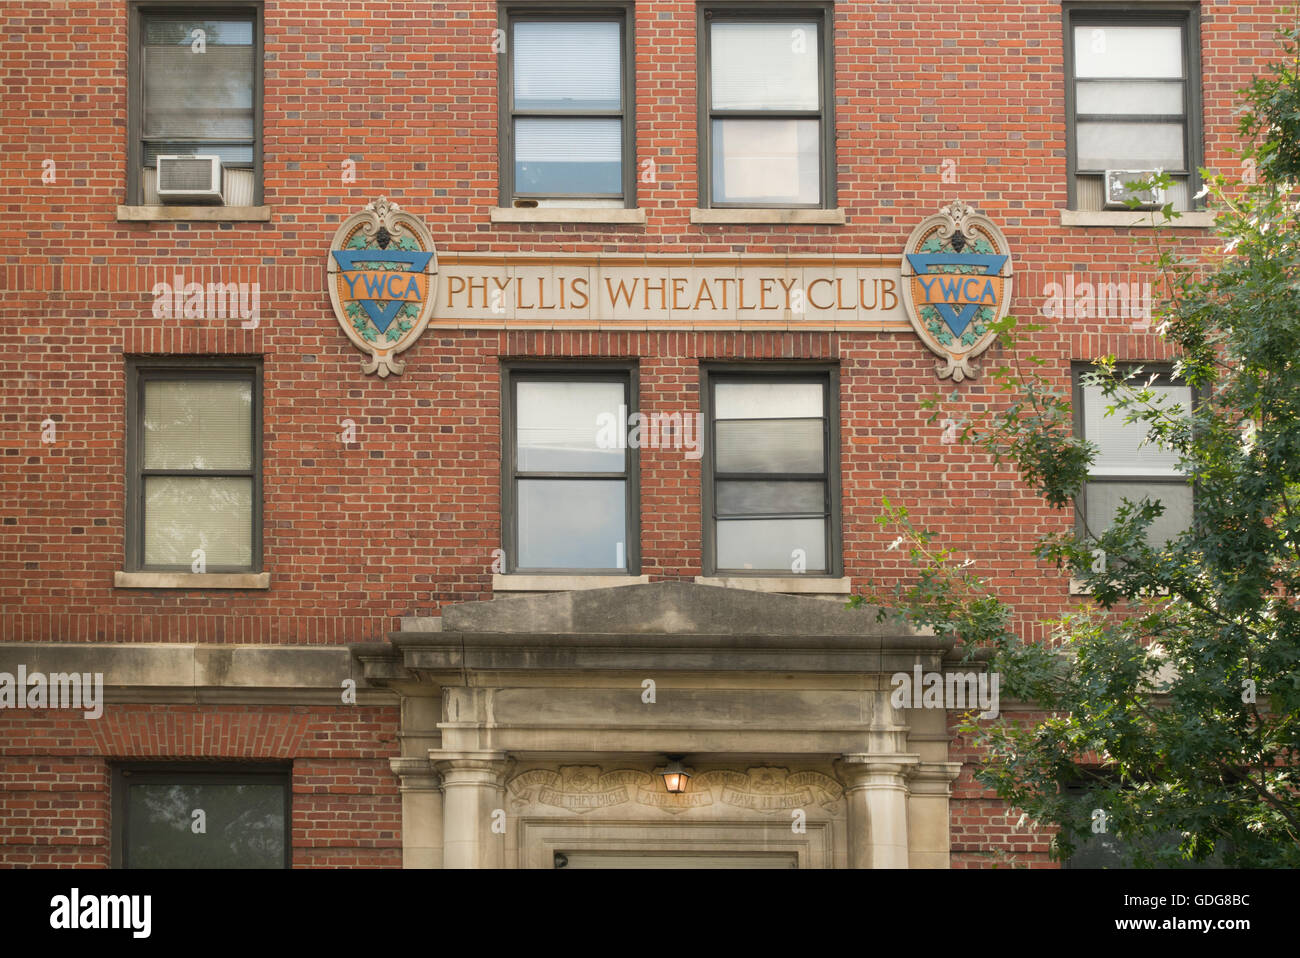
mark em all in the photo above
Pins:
pixel 1118 195
pixel 190 179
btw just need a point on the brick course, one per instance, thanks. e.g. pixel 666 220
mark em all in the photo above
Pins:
pixel 408 90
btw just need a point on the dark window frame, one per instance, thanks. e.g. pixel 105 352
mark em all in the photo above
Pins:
pixel 137 11
pixel 140 370
pixel 514 372
pixel 1077 372
pixel 1075 785
pixel 706 13
pixel 508 14
pixel 1183 14
pixel 829 376
pixel 198 773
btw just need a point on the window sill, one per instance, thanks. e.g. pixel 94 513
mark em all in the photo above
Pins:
pixel 201 214
pixel 569 214
pixel 1198 219
pixel 192 580
pixel 768 217
pixel 563 583
pixel 795 584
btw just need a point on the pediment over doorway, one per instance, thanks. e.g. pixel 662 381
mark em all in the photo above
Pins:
pixel 667 625
pixel 679 608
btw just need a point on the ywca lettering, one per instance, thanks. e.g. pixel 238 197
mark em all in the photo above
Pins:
pixel 386 285
pixel 73 911
pixel 960 290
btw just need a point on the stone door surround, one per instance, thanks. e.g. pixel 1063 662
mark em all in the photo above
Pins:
pixel 501 697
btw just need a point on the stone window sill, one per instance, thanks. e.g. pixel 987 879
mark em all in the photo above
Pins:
pixel 192 580
pixel 200 214
pixel 562 583
pixel 768 217
pixel 1137 219
pixel 562 214
pixel 796 584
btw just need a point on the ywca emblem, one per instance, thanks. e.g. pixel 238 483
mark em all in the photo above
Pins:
pixel 382 276
pixel 956 284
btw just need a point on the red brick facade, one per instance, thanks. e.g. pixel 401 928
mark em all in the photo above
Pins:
pixel 408 89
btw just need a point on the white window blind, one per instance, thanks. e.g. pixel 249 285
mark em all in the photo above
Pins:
pixel 1138 51
pixel 1124 448
pixel 765 65
pixel 566 65
pixel 567 141
pixel 186 513
pixel 198 90
pixel 757 400
pixel 198 425
pixel 559 424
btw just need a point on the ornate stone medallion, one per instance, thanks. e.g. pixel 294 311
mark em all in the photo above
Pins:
pixel 957 282
pixel 382 273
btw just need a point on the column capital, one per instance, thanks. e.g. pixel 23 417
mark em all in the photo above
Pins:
pixel 415 774
pixel 471 767
pixel 933 778
pixel 871 769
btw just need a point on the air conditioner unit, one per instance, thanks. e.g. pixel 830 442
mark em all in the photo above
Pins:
pixel 1118 194
pixel 190 179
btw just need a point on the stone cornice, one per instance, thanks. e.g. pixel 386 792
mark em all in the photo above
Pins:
pixel 453 652
pixel 166 672
pixel 664 626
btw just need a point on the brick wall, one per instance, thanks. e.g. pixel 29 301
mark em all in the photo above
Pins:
pixel 408 90
pixel 55 776
pixel 985 833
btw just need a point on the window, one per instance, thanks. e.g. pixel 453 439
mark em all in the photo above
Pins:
pixel 1133 100
pixel 1104 848
pixel 245 814
pixel 570 484
pixel 194 466
pixel 1127 466
pixel 767 130
pixel 566 97
pixel 771 492
pixel 195 84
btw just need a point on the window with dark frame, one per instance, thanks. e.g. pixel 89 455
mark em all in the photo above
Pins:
pixel 194 465
pixel 570 487
pixel 1103 847
pixel 771 472
pixel 1133 99
pixel 567 134
pixel 1127 466
pixel 195 89
pixel 245 812
pixel 767 129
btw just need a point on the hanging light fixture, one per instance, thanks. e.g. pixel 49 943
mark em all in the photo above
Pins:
pixel 675 776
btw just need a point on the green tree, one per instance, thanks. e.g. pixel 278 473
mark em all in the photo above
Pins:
pixel 1173 694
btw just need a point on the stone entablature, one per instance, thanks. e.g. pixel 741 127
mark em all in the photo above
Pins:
pixel 585 788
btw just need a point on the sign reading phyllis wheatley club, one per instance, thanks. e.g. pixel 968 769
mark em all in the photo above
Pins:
pixel 387 286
